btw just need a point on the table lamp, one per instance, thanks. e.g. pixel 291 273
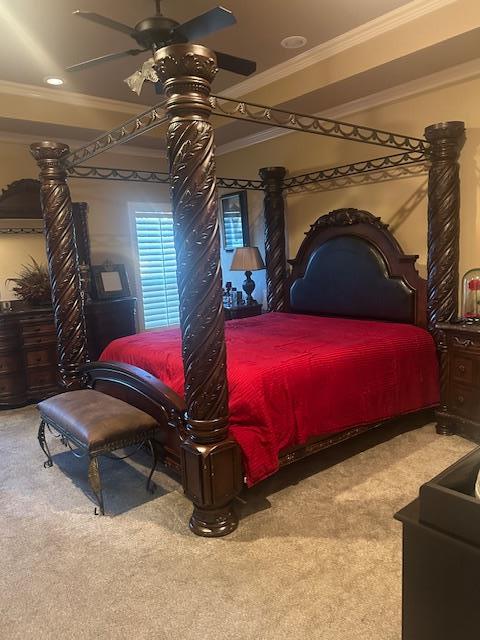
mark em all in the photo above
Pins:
pixel 247 259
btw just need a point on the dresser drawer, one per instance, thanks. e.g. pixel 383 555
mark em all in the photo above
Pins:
pixel 464 401
pixel 463 368
pixel 38 357
pixel 10 363
pixel 38 328
pixel 41 377
pixel 35 340
pixel 11 386
pixel 35 318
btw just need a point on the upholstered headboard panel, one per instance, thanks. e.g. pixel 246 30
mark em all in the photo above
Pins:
pixel 347 276
pixel 350 265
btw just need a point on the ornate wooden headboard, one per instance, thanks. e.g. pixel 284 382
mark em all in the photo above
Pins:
pixel 350 265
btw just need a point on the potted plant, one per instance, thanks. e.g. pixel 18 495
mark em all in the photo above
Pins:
pixel 32 285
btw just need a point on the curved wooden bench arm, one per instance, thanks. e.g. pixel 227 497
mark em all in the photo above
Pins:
pixel 146 392
pixel 135 378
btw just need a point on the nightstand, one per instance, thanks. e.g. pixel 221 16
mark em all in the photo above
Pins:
pixel 242 311
pixel 460 403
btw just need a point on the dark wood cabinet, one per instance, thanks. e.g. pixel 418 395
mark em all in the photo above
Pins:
pixel 242 311
pixel 28 347
pixel 460 404
pixel 108 320
pixel 441 556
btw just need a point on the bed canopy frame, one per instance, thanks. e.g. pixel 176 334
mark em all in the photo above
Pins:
pixel 187 72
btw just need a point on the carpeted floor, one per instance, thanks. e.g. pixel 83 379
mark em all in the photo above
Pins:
pixel 317 554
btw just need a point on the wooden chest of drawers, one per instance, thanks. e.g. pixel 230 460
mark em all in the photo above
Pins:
pixel 28 362
pixel 28 346
pixel 460 403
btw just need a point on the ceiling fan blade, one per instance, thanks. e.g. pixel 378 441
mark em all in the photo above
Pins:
pixel 206 23
pixel 241 66
pixel 110 56
pixel 105 22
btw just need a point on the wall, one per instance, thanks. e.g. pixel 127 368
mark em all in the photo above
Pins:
pixel 109 218
pixel 401 202
pixel 15 251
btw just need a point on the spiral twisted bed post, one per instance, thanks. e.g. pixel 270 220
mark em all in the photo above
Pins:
pixel 67 296
pixel 275 243
pixel 211 463
pixel 446 140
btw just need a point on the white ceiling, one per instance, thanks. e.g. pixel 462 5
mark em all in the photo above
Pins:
pixel 42 37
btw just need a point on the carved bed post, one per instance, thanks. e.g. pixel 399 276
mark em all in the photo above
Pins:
pixel 211 462
pixel 275 243
pixel 63 265
pixel 446 140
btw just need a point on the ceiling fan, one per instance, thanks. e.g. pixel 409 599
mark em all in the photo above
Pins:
pixel 158 31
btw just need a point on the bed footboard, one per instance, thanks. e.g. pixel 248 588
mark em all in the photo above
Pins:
pixel 142 390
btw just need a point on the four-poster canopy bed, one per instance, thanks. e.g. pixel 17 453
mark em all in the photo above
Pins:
pixel 195 436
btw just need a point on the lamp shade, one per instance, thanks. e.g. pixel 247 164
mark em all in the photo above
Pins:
pixel 247 259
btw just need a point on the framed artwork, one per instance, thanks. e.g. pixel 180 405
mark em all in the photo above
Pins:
pixel 110 281
pixel 234 213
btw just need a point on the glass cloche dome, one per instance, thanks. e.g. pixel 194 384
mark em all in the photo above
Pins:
pixel 471 295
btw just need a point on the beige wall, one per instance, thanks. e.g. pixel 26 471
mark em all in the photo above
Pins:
pixel 402 202
pixel 109 215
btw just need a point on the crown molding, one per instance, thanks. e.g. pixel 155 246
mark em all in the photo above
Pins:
pixel 387 22
pixel 122 149
pixel 431 82
pixel 69 97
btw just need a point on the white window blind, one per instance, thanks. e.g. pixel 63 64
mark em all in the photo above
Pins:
pixel 232 221
pixel 157 268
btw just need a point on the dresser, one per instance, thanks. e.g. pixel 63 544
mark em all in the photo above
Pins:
pixel 28 356
pixel 242 311
pixel 460 403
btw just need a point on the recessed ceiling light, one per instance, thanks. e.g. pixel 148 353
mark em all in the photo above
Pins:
pixel 294 42
pixel 56 82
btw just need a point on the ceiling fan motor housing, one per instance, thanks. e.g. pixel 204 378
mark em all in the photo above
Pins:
pixel 156 32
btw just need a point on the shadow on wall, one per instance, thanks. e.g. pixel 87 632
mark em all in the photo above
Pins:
pixel 398 197
pixel 408 207
pixel 470 202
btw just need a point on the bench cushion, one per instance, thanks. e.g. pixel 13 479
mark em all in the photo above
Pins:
pixel 95 419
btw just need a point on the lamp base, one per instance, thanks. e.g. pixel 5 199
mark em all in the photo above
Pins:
pixel 248 286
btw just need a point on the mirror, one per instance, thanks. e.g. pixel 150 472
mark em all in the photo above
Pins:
pixel 234 213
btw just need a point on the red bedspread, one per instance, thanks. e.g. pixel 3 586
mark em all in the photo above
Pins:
pixel 292 377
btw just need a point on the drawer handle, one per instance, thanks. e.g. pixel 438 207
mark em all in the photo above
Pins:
pixel 461 368
pixel 464 343
pixel 460 399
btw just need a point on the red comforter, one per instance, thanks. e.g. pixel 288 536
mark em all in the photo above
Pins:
pixel 292 377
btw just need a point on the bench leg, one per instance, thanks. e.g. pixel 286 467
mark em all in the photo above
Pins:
pixel 151 485
pixel 43 443
pixel 95 482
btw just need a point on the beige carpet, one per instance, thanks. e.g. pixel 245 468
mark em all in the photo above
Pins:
pixel 317 554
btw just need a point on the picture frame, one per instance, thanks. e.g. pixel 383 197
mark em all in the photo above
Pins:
pixel 109 281
pixel 234 214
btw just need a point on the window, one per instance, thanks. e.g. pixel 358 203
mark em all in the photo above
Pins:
pixel 233 230
pixel 157 268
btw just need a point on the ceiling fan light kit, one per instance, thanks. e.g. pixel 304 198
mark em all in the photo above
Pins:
pixel 159 31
